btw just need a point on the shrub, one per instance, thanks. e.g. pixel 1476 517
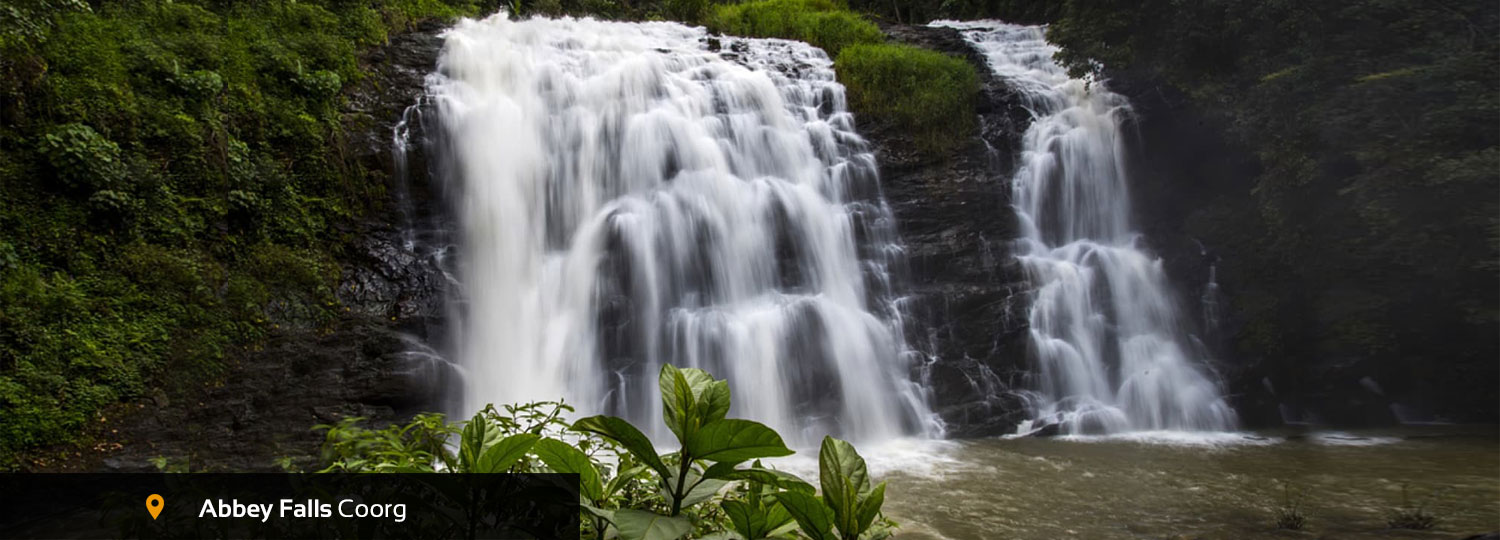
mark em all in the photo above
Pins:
pixel 822 23
pixel 629 489
pixel 925 93
pixel 690 11
pixel 200 84
pixel 85 161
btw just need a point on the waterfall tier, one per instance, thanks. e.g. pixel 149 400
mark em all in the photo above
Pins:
pixel 1112 353
pixel 633 194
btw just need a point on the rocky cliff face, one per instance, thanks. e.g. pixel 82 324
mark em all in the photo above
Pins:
pixel 966 305
pixel 968 308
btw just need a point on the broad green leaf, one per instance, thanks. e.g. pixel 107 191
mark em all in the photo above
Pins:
pixel 691 398
pixel 753 520
pixel 606 514
pixel 843 476
pixel 869 507
pixel 721 469
pixel 703 491
pixel 815 519
pixel 777 518
pixel 747 519
pixel 500 456
pixel 618 430
pixel 841 457
pixel 713 401
pixel 787 526
pixel 476 436
pixel 564 458
pixel 698 488
pixel 622 478
pixel 726 471
pixel 681 393
pixel 735 440
pixel 676 399
pixel 642 525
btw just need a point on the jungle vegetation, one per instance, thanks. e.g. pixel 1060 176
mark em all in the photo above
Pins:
pixel 714 486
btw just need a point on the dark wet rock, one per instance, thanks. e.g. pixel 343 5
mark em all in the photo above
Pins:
pixel 387 275
pixel 390 268
pixel 1046 429
pixel 263 412
pixel 397 74
pixel 966 309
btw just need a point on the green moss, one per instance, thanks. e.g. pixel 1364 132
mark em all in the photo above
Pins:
pixel 823 23
pixel 162 158
pixel 928 94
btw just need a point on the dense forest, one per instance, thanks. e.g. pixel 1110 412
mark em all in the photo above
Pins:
pixel 176 177
pixel 1368 244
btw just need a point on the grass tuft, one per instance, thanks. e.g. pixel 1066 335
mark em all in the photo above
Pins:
pixel 1289 513
pixel 928 94
pixel 823 23
pixel 1412 515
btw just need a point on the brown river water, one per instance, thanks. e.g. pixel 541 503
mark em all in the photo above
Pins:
pixel 1210 487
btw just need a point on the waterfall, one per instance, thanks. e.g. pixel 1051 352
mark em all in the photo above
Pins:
pixel 634 194
pixel 1111 353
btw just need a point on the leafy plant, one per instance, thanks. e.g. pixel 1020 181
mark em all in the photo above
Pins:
pixel 628 489
pixel 694 407
pixel 85 161
pixel 1289 513
pixel 1415 516
pixel 848 505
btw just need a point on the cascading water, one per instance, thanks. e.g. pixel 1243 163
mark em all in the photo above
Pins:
pixel 631 195
pixel 1111 354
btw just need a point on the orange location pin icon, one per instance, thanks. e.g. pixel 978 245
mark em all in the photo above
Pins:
pixel 154 504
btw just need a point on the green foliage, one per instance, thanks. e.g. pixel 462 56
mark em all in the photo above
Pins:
pixel 848 503
pixel 923 11
pixel 1374 123
pixel 689 11
pixel 694 406
pixel 925 93
pixel 349 447
pixel 162 158
pixel 629 490
pixel 823 23
pixel 84 160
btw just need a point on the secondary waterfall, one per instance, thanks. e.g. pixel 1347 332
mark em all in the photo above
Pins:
pixel 633 194
pixel 1111 352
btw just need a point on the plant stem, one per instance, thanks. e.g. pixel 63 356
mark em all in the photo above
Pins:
pixel 678 495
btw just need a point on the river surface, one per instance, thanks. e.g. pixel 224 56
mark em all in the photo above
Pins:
pixel 1195 487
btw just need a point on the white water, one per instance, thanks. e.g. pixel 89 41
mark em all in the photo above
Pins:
pixel 1112 354
pixel 629 198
